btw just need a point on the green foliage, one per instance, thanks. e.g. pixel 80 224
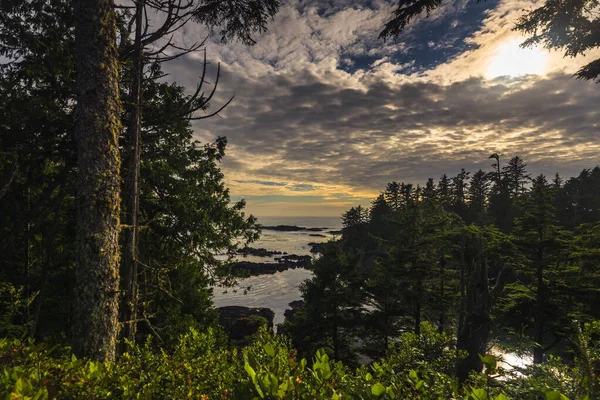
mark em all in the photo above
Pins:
pixel 201 366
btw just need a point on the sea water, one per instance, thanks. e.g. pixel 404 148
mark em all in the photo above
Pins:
pixel 276 291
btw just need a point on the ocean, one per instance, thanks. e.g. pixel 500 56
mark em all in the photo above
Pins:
pixel 278 290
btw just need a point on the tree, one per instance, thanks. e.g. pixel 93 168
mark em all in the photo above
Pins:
pixel 516 176
pixel 545 248
pixel 567 26
pixel 393 195
pixel 478 194
pixel 459 189
pixel 333 301
pixel 239 20
pixel 97 127
pixel 444 192
pixel 355 228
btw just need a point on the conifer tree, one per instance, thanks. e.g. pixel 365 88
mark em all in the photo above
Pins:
pixel 333 301
pixel 516 176
pixel 393 195
pixel 478 194
pixel 545 248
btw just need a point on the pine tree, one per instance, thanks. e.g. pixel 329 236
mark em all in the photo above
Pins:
pixel 459 190
pixel 545 247
pixel 478 194
pixel 444 192
pixel 516 176
pixel 333 301
pixel 393 195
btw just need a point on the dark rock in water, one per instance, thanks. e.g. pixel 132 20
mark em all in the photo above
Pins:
pixel 260 252
pixel 335 232
pixel 282 263
pixel 317 235
pixel 283 228
pixel 290 228
pixel 254 268
pixel 242 323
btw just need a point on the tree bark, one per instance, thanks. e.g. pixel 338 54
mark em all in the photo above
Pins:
pixel 131 191
pixel 474 333
pixel 538 350
pixel 97 128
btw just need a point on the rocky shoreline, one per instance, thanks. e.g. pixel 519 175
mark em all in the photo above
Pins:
pixel 282 263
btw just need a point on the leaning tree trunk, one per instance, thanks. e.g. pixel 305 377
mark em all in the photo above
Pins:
pixel 97 128
pixel 131 190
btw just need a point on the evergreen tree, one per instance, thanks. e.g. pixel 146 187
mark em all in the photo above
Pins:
pixel 478 194
pixel 516 176
pixel 355 228
pixel 333 302
pixel 444 192
pixel 459 189
pixel 393 195
pixel 429 196
pixel 545 249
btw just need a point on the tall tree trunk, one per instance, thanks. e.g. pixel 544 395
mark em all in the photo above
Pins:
pixel 474 333
pixel 442 318
pixel 131 190
pixel 538 350
pixel 97 128
pixel 418 307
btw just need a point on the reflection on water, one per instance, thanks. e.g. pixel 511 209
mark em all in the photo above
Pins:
pixel 278 290
pixel 271 291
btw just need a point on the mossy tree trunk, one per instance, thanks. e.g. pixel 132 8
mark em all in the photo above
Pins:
pixel 97 127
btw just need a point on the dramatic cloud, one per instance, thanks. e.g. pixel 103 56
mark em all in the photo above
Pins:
pixel 325 114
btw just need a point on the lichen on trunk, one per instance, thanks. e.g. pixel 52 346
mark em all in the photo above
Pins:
pixel 97 127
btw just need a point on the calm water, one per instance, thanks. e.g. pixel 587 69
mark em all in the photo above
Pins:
pixel 278 290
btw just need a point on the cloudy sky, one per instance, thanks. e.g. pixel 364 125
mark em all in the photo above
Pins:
pixel 325 114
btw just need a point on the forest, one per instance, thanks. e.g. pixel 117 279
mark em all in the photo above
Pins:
pixel 116 224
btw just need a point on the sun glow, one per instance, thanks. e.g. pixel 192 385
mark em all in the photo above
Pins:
pixel 512 60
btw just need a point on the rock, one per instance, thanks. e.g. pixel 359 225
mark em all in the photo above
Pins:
pixel 282 263
pixel 317 235
pixel 290 228
pixel 260 252
pixel 283 228
pixel 254 268
pixel 335 232
pixel 242 323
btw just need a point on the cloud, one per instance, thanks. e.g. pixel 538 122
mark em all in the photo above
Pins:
pixel 324 108
pixel 265 183
pixel 302 187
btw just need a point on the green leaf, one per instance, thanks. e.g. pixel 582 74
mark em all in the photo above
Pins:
pixel 413 375
pixel 554 395
pixel 250 370
pixel 479 394
pixel 378 389
pixel 501 396
pixel 269 350
pixel 368 377
pixel 489 361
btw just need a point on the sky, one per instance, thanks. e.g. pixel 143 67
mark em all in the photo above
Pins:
pixel 325 113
